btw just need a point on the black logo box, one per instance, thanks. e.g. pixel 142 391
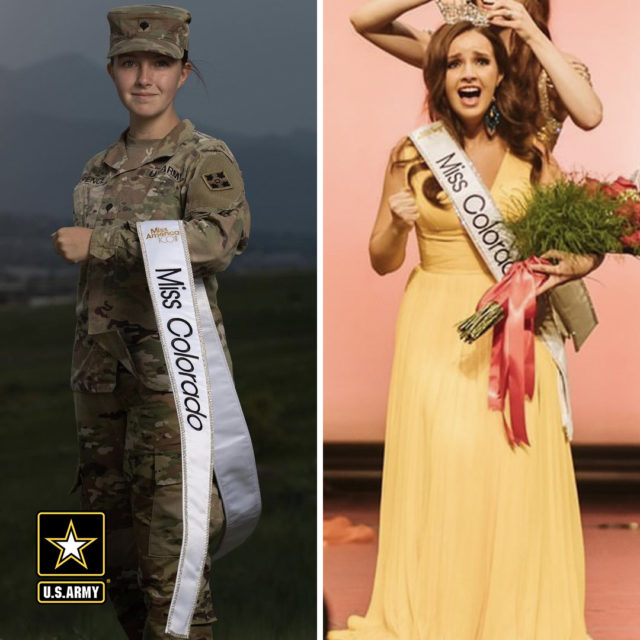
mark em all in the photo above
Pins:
pixel 55 524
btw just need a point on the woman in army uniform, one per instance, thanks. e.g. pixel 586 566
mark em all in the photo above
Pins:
pixel 129 437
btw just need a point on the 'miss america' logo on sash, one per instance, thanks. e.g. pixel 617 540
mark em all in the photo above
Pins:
pixel 162 234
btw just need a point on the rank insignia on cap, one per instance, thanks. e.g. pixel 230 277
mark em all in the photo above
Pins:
pixel 217 181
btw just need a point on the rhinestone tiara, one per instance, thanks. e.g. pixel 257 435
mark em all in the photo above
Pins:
pixel 456 11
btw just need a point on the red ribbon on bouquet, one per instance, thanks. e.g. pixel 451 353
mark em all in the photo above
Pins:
pixel 512 352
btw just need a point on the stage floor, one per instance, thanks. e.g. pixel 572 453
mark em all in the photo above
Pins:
pixel 612 562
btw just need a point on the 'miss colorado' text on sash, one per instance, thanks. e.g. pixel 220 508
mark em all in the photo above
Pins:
pixel 476 209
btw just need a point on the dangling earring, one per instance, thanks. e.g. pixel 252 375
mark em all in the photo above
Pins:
pixel 492 118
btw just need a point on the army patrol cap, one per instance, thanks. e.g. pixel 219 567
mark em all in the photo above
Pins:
pixel 149 27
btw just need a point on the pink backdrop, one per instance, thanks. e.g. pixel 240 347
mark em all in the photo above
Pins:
pixel 371 101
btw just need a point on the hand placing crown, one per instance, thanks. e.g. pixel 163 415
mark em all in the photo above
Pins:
pixel 460 11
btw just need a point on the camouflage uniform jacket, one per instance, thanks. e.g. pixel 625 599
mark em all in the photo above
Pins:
pixel 188 176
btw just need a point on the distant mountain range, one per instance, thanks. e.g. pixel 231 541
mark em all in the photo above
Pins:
pixel 55 116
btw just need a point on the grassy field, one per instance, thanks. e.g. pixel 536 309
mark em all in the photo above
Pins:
pixel 266 589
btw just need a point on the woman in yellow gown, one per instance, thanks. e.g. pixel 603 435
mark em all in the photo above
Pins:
pixel 479 540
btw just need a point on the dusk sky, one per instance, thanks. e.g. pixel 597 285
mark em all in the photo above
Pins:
pixel 258 58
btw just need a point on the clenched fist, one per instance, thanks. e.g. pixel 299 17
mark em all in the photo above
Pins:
pixel 72 243
pixel 404 210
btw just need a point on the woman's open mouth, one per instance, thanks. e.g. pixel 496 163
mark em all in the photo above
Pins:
pixel 470 96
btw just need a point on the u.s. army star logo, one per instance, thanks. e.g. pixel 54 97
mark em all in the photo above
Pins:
pixel 217 181
pixel 71 547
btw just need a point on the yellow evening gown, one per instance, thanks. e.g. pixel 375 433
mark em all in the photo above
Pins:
pixel 478 541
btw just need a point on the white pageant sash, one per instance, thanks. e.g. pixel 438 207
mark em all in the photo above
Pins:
pixel 476 209
pixel 480 217
pixel 205 397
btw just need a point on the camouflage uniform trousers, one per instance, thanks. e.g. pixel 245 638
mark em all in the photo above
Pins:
pixel 130 468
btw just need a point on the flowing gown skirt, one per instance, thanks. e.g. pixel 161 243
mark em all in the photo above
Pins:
pixel 478 540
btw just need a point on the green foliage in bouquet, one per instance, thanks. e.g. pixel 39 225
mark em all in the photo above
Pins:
pixel 589 217
pixel 566 216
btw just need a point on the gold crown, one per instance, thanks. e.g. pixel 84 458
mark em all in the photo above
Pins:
pixel 456 11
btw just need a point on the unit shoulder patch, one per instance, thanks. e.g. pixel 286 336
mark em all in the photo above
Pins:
pixel 217 180
pixel 217 184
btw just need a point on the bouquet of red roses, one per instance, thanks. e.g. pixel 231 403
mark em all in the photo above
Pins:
pixel 584 217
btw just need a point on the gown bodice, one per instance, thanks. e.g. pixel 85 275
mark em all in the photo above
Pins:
pixel 442 242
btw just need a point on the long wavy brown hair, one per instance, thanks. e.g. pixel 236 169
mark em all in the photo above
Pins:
pixel 525 67
pixel 518 124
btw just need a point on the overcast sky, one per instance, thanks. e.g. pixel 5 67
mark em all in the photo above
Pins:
pixel 258 57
